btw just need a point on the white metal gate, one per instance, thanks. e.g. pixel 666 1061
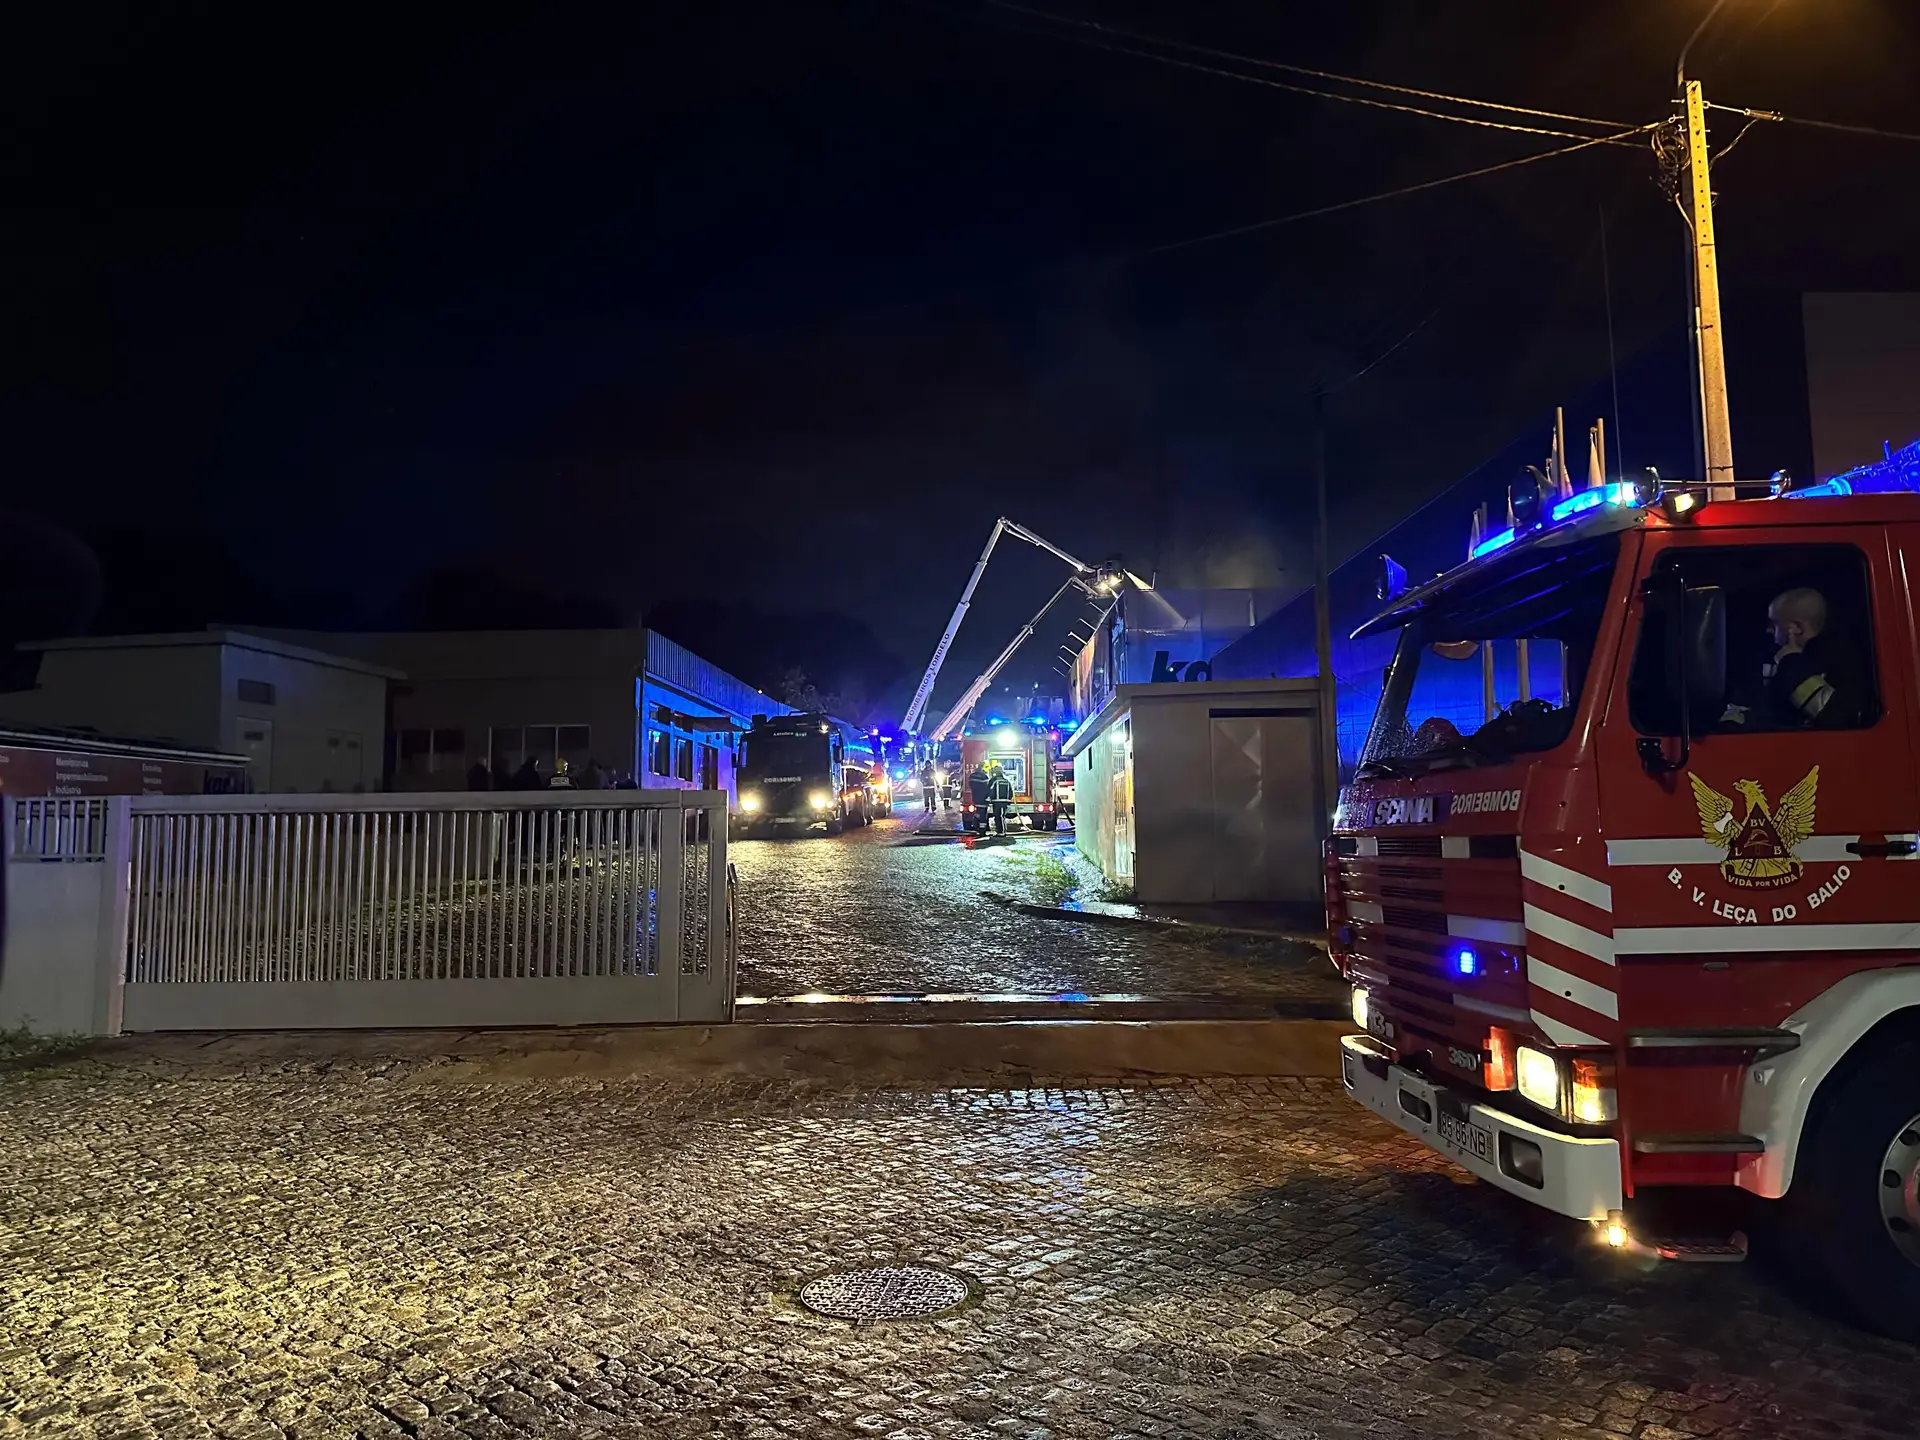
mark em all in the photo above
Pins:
pixel 297 911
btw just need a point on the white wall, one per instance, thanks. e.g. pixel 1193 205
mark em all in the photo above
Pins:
pixel 1226 792
pixel 328 721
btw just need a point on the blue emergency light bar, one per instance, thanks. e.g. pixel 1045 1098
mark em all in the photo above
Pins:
pixel 1897 474
pixel 1620 492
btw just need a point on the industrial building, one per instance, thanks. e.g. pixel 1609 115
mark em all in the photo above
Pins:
pixel 613 704
pixel 306 719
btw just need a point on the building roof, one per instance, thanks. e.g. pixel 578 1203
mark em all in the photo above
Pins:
pixel 238 639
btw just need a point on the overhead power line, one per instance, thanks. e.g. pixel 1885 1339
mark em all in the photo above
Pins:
pixel 1396 193
pixel 1873 130
pixel 1111 34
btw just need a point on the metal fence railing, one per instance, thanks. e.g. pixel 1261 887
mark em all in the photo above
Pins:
pixel 268 911
pixel 58 828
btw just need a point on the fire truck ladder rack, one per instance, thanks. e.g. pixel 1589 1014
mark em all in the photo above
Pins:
pixel 1095 581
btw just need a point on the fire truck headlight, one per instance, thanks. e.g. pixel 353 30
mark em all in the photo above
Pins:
pixel 1360 1007
pixel 1538 1074
pixel 820 800
pixel 750 803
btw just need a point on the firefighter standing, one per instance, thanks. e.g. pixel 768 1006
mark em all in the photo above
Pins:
pixel 929 787
pixel 1001 796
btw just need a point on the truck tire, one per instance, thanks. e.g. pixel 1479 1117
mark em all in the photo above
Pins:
pixel 834 827
pixel 1856 1189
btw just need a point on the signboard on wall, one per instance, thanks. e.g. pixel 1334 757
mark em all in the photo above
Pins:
pixel 25 770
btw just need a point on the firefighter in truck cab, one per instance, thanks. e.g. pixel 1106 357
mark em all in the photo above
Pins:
pixel 1627 878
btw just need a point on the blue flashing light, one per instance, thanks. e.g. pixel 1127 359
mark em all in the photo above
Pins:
pixel 1069 724
pixel 1618 493
pixel 1036 720
pixel 1492 543
pixel 995 720
pixel 1466 960
pixel 1835 486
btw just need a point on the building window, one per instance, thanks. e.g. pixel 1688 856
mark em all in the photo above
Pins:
pixel 254 692
pixel 683 759
pixel 659 753
pixel 426 752
pixel 513 745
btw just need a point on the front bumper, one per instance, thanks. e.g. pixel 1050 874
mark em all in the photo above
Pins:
pixel 1579 1177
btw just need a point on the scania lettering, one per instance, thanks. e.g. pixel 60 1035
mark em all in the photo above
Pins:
pixel 1625 881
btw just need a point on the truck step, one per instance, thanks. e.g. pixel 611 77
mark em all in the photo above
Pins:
pixel 1699 1249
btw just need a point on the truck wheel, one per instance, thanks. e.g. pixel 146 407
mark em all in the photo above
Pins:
pixel 834 827
pixel 1856 1189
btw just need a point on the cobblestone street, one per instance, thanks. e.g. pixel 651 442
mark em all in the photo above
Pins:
pixel 350 1249
pixel 887 911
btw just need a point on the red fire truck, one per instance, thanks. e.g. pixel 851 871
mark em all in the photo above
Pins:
pixel 1653 929
pixel 1024 754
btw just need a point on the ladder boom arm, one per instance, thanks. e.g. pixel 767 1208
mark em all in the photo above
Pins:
pixel 918 709
pixel 974 691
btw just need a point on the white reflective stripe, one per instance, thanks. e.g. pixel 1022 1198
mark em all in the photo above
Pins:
pixel 1365 910
pixel 1739 939
pixel 1584 993
pixel 1694 850
pixel 1455 847
pixel 1367 847
pixel 1498 932
pixel 1564 932
pixel 1487 1007
pixel 1543 871
pixel 1664 852
pixel 1562 1033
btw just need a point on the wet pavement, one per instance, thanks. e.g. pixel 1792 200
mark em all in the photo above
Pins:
pixel 350 1249
pixel 894 909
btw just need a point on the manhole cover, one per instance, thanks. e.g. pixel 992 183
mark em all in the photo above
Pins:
pixel 885 1292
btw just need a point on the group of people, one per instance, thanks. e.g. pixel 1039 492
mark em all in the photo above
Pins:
pixel 989 791
pixel 480 776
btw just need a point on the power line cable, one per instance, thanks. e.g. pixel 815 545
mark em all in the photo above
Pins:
pixel 1140 37
pixel 1394 194
pixel 1384 356
pixel 1871 130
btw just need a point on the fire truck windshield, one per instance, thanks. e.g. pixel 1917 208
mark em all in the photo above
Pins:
pixel 1528 624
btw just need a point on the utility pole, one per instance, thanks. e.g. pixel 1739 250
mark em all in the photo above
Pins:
pixel 1713 431
pixel 1716 427
pixel 1323 613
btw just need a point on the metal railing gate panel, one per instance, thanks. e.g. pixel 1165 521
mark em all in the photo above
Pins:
pixel 302 911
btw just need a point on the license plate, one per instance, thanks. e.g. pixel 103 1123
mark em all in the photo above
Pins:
pixel 1457 1130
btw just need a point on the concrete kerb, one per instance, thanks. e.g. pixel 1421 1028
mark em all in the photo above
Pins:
pixel 1100 913
pixel 862 1054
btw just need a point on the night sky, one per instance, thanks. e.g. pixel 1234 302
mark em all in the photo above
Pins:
pixel 342 316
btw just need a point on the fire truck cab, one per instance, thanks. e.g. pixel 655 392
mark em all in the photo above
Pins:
pixel 1655 925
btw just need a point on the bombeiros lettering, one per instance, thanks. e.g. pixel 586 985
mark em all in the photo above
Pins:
pixel 1486 802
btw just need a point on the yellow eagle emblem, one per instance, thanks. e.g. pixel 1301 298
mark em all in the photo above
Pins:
pixel 1760 844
